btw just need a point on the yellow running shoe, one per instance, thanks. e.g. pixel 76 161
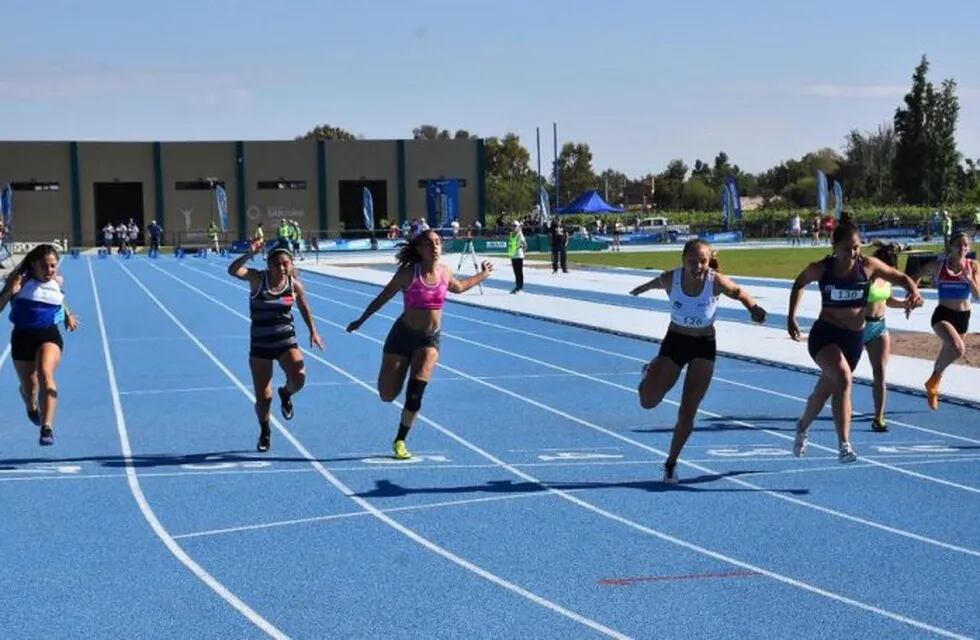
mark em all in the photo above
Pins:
pixel 401 451
pixel 932 392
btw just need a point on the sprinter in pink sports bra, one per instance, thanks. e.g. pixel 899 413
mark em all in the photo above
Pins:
pixel 412 345
pixel 693 290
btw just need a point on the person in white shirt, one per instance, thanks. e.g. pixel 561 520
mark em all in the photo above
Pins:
pixel 795 229
pixel 693 291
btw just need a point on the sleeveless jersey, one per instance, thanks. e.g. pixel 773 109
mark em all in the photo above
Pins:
pixel 272 317
pixel 696 311
pixel 954 286
pixel 38 305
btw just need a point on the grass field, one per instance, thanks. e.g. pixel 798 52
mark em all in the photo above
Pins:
pixel 768 263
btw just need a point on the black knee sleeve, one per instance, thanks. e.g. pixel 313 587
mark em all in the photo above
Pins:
pixel 413 396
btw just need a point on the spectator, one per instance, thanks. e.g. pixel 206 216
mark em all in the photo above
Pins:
pixel 108 231
pixel 516 246
pixel 134 234
pixel 455 227
pixel 156 233
pixel 559 246
pixel 795 229
pixel 122 236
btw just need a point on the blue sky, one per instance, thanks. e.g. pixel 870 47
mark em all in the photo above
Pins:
pixel 641 82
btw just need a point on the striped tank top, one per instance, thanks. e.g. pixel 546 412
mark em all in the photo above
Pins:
pixel 271 312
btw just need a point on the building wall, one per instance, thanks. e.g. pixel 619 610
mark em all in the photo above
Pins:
pixel 185 210
pixel 38 212
pixel 361 160
pixel 438 159
pixel 289 162
pixel 113 162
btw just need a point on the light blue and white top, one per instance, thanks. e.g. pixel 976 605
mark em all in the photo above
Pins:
pixel 38 305
pixel 693 311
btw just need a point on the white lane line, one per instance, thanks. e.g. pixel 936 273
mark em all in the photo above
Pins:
pixel 617 354
pixel 347 491
pixel 134 486
pixel 353 514
pixel 146 392
pixel 598 510
pixel 779 496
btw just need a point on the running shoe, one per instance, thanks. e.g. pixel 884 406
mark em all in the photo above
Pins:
pixel 34 415
pixel 800 442
pixel 400 450
pixel 846 453
pixel 287 403
pixel 670 473
pixel 47 436
pixel 265 440
pixel 878 425
pixel 932 392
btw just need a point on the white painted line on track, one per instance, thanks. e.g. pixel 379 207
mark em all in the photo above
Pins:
pixel 627 357
pixel 134 486
pixel 347 491
pixel 779 496
pixel 352 514
pixel 602 512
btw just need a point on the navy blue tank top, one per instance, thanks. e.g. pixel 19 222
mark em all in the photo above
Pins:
pixel 849 291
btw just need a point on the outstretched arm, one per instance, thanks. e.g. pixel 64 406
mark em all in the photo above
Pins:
pixel 881 270
pixel 660 282
pixel 727 286
pixel 459 286
pixel 397 283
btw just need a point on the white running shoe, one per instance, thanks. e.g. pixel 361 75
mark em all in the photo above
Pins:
pixel 800 442
pixel 670 473
pixel 847 453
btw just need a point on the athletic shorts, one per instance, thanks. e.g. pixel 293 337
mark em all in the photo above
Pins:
pixel 874 329
pixel 851 343
pixel 403 341
pixel 272 352
pixel 682 348
pixel 959 319
pixel 24 343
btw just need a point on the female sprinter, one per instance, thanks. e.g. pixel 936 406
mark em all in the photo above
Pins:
pixel 837 337
pixel 273 337
pixel 38 305
pixel 956 277
pixel 693 292
pixel 412 345
pixel 876 339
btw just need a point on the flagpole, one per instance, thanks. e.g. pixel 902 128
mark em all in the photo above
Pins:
pixel 554 129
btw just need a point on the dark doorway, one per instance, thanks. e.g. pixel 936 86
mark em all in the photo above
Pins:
pixel 117 202
pixel 352 204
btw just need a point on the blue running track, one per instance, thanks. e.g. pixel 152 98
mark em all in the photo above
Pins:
pixel 533 507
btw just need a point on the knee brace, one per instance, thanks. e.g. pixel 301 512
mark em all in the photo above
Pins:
pixel 413 396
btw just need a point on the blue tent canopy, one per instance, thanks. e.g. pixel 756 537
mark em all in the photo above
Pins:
pixel 588 202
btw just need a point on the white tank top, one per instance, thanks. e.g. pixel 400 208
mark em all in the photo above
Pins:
pixel 697 311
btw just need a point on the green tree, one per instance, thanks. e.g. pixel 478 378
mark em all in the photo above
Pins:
pixel 667 194
pixel 511 186
pixel 941 173
pixel 328 132
pixel 701 171
pixel 575 168
pixel 866 170
pixel 699 196
pixel 912 148
pixel 430 132
pixel 612 186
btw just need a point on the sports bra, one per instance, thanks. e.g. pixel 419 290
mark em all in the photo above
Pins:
pixel 849 291
pixel 879 292
pixel 420 295
pixel 954 286
pixel 693 311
